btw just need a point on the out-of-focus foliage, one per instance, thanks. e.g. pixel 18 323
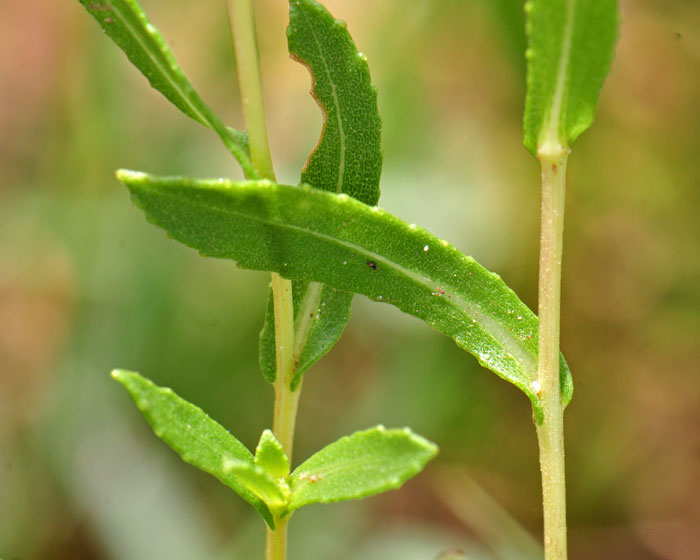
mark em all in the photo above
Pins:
pixel 125 22
pixel 86 285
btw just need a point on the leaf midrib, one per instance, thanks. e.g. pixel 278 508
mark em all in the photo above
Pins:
pixel 488 324
pixel 550 139
pixel 158 63
pixel 336 102
pixel 205 117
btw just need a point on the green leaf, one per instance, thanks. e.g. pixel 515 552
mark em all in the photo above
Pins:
pixel 320 316
pixel 198 439
pixel 254 478
pixel 304 233
pixel 125 22
pixel 571 47
pixel 360 465
pixel 270 456
pixel 347 159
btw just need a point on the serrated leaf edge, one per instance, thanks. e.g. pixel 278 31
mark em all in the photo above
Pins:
pixel 528 363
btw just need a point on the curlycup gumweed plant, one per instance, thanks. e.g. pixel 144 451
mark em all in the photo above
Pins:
pixel 326 240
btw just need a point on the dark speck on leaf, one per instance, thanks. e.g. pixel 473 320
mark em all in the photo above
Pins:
pixel 372 265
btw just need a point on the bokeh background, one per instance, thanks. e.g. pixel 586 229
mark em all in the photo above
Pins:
pixel 87 285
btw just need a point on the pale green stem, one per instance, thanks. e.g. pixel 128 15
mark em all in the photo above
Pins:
pixel 286 400
pixel 243 30
pixel 551 432
pixel 276 543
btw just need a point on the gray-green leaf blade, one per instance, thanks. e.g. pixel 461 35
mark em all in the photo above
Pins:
pixel 347 159
pixel 360 465
pixel 304 233
pixel 571 47
pixel 197 438
pixel 125 22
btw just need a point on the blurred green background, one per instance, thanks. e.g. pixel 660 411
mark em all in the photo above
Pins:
pixel 87 285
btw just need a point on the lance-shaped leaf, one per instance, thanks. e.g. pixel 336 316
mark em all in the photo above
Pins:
pixel 348 156
pixel 198 439
pixel 347 159
pixel 571 47
pixel 125 22
pixel 360 465
pixel 304 233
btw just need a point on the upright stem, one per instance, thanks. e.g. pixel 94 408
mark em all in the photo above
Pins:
pixel 551 432
pixel 286 400
pixel 276 542
pixel 242 21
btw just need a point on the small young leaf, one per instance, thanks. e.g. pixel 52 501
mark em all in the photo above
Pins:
pixel 304 233
pixel 259 482
pixel 198 439
pixel 347 159
pixel 360 465
pixel 571 47
pixel 270 456
pixel 125 22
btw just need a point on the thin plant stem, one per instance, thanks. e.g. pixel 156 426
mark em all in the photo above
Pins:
pixel 550 433
pixel 286 401
pixel 276 542
pixel 242 21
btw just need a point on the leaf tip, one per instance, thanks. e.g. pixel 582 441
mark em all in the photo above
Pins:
pixel 122 375
pixel 431 449
pixel 128 176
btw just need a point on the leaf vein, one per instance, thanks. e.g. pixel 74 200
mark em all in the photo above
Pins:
pixel 551 141
pixel 470 310
pixel 158 63
pixel 339 119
